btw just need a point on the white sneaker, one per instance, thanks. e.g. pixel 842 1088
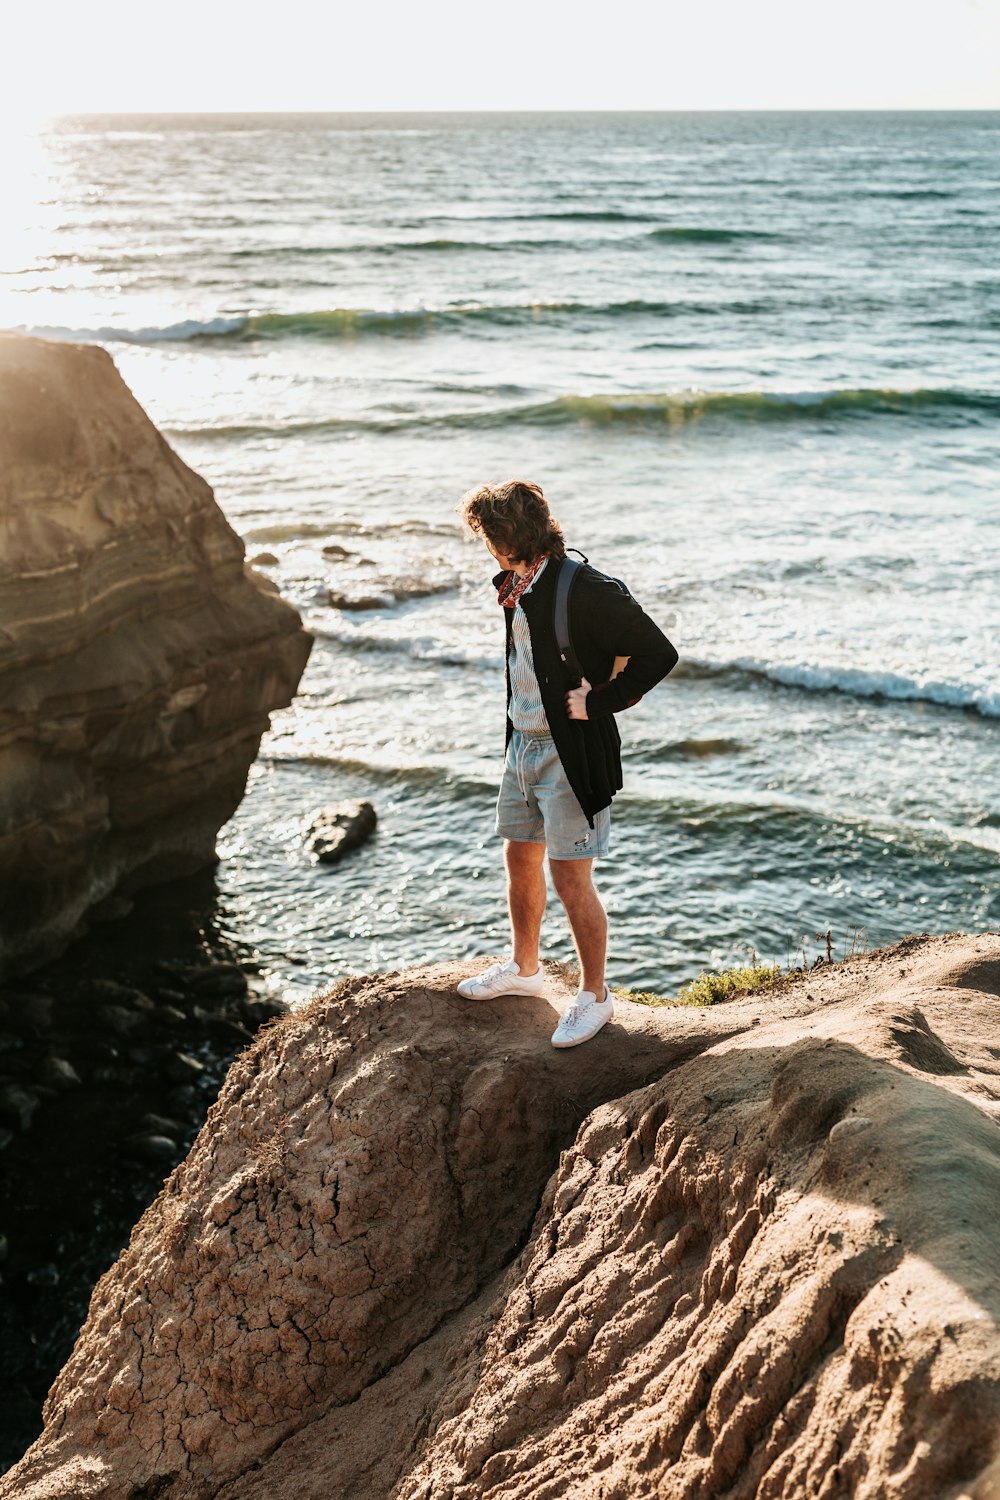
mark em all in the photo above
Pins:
pixel 583 1019
pixel 502 979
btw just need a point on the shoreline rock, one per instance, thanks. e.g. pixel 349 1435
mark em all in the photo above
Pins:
pixel 339 829
pixel 414 1251
pixel 140 655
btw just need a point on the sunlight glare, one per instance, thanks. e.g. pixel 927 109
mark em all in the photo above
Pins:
pixel 25 228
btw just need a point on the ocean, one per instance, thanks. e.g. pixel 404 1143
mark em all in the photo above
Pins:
pixel 754 360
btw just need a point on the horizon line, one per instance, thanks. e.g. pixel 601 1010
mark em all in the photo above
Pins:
pixel 844 109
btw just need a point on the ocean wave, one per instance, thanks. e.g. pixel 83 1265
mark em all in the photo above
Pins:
pixel 441 245
pixel 226 432
pixel 355 322
pixel 794 820
pixel 567 215
pixel 677 408
pixel 440 778
pixel 690 749
pixel 445 246
pixel 909 193
pixel 699 235
pixel 673 409
pixel 789 820
pixel 591 216
pixel 849 681
pixel 172 333
pixel 432 245
pixel 854 682
pixel 296 531
pixel 417 648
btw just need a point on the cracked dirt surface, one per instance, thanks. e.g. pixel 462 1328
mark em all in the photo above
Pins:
pixel 370 1163
pixel 766 1266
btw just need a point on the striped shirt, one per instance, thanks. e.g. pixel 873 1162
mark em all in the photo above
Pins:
pixel 526 711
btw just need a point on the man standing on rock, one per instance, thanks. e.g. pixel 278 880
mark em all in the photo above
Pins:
pixel 563 761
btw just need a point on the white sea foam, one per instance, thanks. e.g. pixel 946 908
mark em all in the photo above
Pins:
pixel 857 682
pixel 419 648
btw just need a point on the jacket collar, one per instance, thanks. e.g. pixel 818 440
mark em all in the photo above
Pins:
pixel 544 581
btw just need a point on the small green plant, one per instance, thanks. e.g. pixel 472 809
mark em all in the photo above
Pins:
pixel 709 989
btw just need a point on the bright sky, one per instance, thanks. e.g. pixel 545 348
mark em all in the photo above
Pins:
pixel 107 55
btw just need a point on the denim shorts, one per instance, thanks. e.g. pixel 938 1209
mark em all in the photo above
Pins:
pixel 536 804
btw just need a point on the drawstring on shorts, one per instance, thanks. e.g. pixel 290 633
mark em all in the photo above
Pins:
pixel 524 741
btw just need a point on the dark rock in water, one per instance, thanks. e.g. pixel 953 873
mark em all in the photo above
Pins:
pixel 169 1015
pixel 335 550
pixel 262 1007
pixel 47 1275
pixel 184 1100
pixel 107 1076
pixel 114 993
pixel 336 830
pixel 29 1011
pixel 170 997
pixel 111 909
pixel 385 593
pixel 59 1074
pixel 161 1125
pixel 142 655
pixel 145 1057
pixel 152 1148
pixel 182 1068
pixel 17 1105
pixel 118 1020
pixel 219 979
pixel 263 560
pixel 221 1025
pixel 360 601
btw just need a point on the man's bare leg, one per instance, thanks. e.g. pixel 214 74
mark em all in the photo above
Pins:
pixel 526 893
pixel 574 883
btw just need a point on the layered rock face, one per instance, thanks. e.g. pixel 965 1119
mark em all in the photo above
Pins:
pixel 139 656
pixel 768 1269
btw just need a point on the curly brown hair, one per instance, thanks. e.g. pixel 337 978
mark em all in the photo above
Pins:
pixel 514 518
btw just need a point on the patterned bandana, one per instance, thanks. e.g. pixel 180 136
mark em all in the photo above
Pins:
pixel 513 587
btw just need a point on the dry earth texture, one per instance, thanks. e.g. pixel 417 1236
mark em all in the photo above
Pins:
pixel 139 656
pixel 765 1263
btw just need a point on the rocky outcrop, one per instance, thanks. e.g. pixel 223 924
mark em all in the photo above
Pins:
pixel 765 1266
pixel 339 830
pixel 139 656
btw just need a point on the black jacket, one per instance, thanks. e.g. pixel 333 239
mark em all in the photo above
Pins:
pixel 605 622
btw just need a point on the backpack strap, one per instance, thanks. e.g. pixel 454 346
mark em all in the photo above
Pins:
pixel 568 571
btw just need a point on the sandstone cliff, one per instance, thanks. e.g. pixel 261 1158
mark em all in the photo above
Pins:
pixel 139 655
pixel 764 1265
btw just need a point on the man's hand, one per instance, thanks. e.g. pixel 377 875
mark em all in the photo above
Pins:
pixel 576 700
